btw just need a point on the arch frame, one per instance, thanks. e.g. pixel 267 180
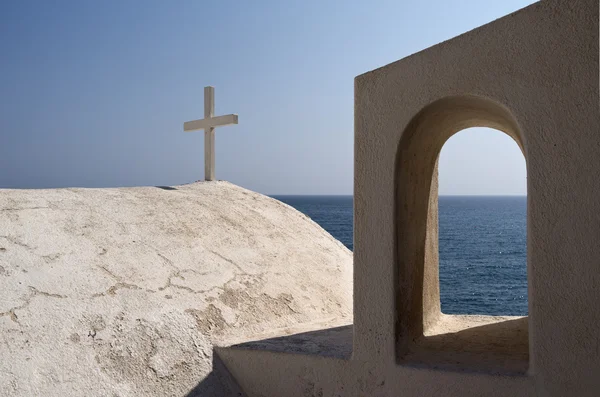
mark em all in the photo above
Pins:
pixel 421 326
pixel 416 208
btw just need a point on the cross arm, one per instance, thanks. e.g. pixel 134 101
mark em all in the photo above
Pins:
pixel 210 122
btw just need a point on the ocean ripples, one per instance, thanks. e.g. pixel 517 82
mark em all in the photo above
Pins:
pixel 483 255
pixel 482 246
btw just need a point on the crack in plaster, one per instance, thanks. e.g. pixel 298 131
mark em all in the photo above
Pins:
pixel 16 241
pixel 52 257
pixel 23 208
pixel 167 260
pixel 112 290
pixel 177 274
pixel 33 293
pixel 109 273
pixel 228 261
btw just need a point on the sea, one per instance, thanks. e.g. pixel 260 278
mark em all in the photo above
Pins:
pixel 482 248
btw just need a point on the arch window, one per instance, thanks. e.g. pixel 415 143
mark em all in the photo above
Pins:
pixel 424 334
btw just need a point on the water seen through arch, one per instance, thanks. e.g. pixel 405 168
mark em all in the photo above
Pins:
pixel 482 245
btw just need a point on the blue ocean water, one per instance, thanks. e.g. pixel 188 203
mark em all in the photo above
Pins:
pixel 482 245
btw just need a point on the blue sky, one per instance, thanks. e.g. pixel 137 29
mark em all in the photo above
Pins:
pixel 94 93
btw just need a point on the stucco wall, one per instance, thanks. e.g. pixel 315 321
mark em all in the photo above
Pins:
pixel 532 74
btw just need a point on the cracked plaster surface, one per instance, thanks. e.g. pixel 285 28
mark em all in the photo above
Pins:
pixel 125 291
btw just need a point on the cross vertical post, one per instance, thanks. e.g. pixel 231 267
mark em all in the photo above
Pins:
pixel 209 135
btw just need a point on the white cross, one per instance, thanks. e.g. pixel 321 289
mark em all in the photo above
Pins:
pixel 208 124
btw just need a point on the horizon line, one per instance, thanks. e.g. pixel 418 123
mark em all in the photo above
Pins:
pixel 441 195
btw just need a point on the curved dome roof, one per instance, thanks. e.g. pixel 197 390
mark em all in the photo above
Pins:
pixel 126 290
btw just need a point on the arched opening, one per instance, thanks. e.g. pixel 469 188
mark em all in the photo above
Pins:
pixel 480 342
pixel 482 225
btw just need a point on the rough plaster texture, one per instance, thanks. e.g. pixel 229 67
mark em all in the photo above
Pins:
pixel 124 292
pixel 534 75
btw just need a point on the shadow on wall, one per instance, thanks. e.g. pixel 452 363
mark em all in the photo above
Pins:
pixel 219 382
pixel 330 342
pixel 499 348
